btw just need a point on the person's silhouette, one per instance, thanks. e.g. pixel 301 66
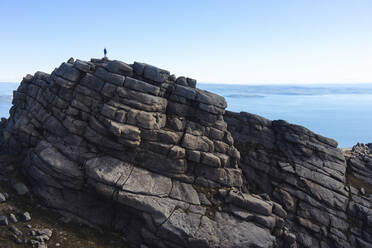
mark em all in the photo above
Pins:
pixel 105 52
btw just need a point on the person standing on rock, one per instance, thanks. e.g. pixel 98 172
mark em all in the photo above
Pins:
pixel 105 52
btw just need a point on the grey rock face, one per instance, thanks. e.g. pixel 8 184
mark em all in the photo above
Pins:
pixel 135 150
pixel 2 198
pixel 68 72
pixel 3 220
pixel 15 230
pixel 119 67
pixel 20 188
pixel 305 174
pixel 186 82
pixel 13 218
pixel 360 162
pixel 26 216
pixel 131 135
pixel 155 74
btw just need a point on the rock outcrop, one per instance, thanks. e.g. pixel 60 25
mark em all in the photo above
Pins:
pixel 135 150
pixel 306 174
pixel 360 162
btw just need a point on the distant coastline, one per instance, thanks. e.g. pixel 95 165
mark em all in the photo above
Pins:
pixel 338 111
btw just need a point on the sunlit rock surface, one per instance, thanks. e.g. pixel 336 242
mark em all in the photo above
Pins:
pixel 135 150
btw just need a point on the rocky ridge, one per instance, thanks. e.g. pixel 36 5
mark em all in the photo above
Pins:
pixel 307 175
pixel 134 149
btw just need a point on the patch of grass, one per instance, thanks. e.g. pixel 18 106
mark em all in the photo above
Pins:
pixel 211 194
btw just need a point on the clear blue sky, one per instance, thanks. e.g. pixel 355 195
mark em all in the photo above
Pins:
pixel 312 41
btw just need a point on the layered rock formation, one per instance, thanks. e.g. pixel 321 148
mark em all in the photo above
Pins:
pixel 306 174
pixel 360 163
pixel 134 149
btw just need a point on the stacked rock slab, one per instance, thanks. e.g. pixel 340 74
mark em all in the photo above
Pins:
pixel 133 149
pixel 360 163
pixel 306 174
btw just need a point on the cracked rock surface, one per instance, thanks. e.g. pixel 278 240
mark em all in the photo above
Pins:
pixel 135 150
pixel 306 175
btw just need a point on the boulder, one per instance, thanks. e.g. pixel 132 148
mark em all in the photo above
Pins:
pixel 20 188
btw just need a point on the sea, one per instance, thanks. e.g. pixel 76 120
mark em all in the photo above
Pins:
pixel 339 111
pixel 342 112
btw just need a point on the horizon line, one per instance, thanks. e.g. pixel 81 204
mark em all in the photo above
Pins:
pixel 288 83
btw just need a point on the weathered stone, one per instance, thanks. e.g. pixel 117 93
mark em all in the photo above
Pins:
pixel 241 213
pixel 3 220
pixel 184 192
pixel 68 72
pixel 177 124
pixel 278 210
pixel 74 126
pixel 159 208
pixel 181 81
pixel 266 221
pixel 123 130
pixel 20 188
pixel 16 239
pixel 83 66
pixel 120 116
pixel 211 109
pixel 163 164
pixel 195 143
pixel 57 161
pixel 191 82
pixel 119 67
pixel 92 82
pixel 108 170
pixel 204 199
pixel 228 177
pixel 141 86
pixel 15 230
pixel 63 82
pixel 211 99
pixel 108 89
pixel 142 181
pixel 250 203
pixel 138 68
pixel 179 109
pixel 108 111
pixel 186 92
pixel 26 216
pixel 110 77
pixel 141 100
pixel 193 156
pixel 233 233
pixel 177 152
pixel 13 218
pixel 155 74
pixel 2 198
pixel 210 159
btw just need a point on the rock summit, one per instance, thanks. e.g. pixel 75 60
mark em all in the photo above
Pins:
pixel 135 150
